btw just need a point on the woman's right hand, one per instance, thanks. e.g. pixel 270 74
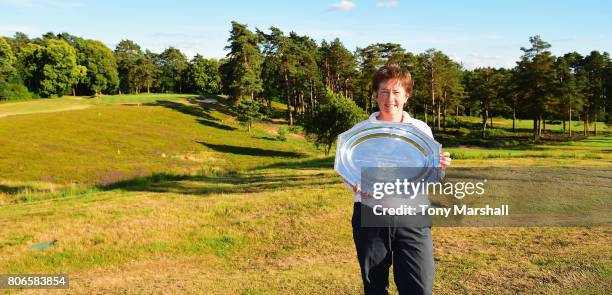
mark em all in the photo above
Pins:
pixel 357 189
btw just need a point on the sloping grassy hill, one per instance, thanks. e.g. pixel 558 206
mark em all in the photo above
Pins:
pixel 166 194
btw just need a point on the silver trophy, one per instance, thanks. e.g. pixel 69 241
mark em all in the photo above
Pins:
pixel 381 144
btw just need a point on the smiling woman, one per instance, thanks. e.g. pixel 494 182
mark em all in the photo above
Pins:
pixel 379 247
pixel 392 87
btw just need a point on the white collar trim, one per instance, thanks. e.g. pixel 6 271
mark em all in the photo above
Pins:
pixel 405 117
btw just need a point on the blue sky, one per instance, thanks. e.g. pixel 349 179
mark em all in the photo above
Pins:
pixel 476 33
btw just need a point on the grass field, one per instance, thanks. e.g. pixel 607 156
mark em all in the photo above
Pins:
pixel 68 103
pixel 156 193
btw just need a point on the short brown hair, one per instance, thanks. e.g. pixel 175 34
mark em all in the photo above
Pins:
pixel 392 70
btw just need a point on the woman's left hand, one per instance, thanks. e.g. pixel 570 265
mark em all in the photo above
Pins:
pixel 445 160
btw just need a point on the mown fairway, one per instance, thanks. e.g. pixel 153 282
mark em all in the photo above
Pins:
pixel 162 194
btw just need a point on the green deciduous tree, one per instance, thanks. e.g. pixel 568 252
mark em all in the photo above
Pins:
pixel 127 53
pixel 141 73
pixel 18 41
pixel 333 115
pixel 52 69
pixel 7 60
pixel 203 75
pixel 102 75
pixel 10 88
pixel 152 71
pixel 173 66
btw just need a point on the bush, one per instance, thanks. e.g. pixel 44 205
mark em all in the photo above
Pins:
pixel 295 129
pixel 14 91
pixel 332 116
pixel 282 134
pixel 248 113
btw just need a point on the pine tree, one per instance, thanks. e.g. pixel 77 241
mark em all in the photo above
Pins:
pixel 244 63
pixel 536 81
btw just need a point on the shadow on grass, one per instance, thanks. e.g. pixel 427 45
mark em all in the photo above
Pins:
pixel 274 177
pixel 326 162
pixel 266 138
pixel 225 183
pixel 13 189
pixel 249 151
pixel 221 104
pixel 199 109
pixel 193 110
pixel 214 124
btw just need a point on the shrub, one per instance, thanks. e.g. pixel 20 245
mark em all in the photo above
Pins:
pixel 295 129
pixel 14 91
pixel 248 113
pixel 282 134
pixel 332 116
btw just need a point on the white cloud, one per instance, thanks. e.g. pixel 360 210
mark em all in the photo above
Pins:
pixel 343 5
pixel 387 4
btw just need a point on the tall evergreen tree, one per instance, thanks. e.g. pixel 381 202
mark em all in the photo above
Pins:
pixel 368 59
pixel 567 90
pixel 433 65
pixel 451 89
pixel 279 65
pixel 338 66
pixel 483 89
pixel 244 63
pixel 595 66
pixel 536 81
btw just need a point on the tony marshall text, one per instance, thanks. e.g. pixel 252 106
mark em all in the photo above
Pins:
pixel 456 210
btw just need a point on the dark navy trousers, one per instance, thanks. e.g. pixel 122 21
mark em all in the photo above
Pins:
pixel 409 249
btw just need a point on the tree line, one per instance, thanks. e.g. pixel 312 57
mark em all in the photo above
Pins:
pixel 59 64
pixel 268 65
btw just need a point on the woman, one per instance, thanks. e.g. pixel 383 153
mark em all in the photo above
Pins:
pixel 410 249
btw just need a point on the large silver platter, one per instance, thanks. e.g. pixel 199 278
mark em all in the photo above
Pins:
pixel 385 144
